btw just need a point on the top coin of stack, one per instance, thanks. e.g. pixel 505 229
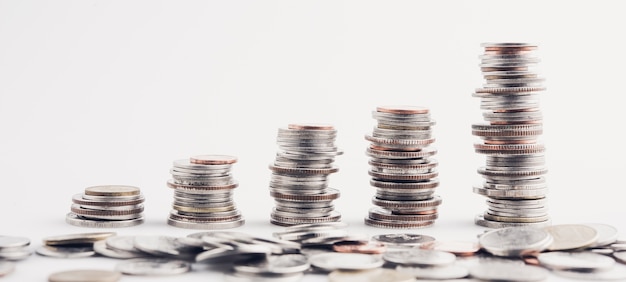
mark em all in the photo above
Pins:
pixel 402 169
pixel 107 206
pixel 514 172
pixel 299 183
pixel 203 193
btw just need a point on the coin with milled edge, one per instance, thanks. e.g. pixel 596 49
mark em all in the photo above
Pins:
pixel 85 275
pixel 345 261
pixel 153 267
pixel 379 274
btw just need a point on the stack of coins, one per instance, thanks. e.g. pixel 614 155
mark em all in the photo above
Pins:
pixel 299 181
pixel 402 170
pixel 203 196
pixel 514 173
pixel 107 206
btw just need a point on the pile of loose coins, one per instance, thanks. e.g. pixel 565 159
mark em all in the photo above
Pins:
pixel 402 169
pixel 203 197
pixel 515 184
pixel 107 206
pixel 590 251
pixel 299 181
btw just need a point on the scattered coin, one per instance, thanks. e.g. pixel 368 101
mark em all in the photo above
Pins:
pixel 361 247
pixel 102 249
pixel 571 236
pixel 607 234
pixel 85 275
pixel 153 267
pixel 345 261
pixel 274 265
pixel 435 272
pixel 459 248
pixel 615 273
pixel 419 257
pixel 515 241
pixel 403 239
pixel 77 238
pixel 508 272
pixel 65 251
pixel 581 261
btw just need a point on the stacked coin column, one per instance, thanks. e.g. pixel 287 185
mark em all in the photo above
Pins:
pixel 203 197
pixel 514 173
pixel 402 170
pixel 299 181
pixel 107 206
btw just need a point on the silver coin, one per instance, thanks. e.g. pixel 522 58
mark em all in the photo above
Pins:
pixel 403 239
pixel 515 241
pixel 279 265
pixel 85 275
pixel 65 252
pixel 305 235
pixel 412 256
pixel 77 238
pixel 205 225
pixel 571 236
pixel 607 234
pixel 153 267
pixel 615 273
pixel 76 220
pixel 345 261
pixel 122 243
pixel 161 245
pixel 379 275
pixel 6 267
pixel 582 261
pixel 480 220
pixel 435 272
pixel 507 272
pixel 15 254
pixel 228 255
pixel 11 242
pixel 101 248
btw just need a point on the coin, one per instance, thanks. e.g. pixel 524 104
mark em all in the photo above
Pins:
pixel 274 265
pixel 213 159
pixel 515 241
pixel 508 272
pixel 419 257
pixel 379 274
pixel 345 261
pixel 459 248
pixel 607 234
pixel 435 272
pixel 9 242
pixel 153 267
pixel 65 251
pixel 85 275
pixel 360 247
pixel 571 236
pixel 112 190
pixel 403 239
pixel 100 247
pixel 582 261
pixel 615 273
pixel 77 238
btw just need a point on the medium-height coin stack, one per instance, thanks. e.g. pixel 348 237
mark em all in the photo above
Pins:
pixel 402 170
pixel 514 173
pixel 299 181
pixel 203 197
pixel 107 206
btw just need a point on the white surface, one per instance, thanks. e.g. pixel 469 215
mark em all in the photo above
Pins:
pixel 111 92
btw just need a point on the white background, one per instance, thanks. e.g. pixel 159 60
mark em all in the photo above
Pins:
pixel 111 92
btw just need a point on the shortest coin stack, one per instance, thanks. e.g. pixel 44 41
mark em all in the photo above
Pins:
pixel 203 196
pixel 107 206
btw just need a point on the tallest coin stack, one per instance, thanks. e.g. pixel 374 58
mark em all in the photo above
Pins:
pixel 514 173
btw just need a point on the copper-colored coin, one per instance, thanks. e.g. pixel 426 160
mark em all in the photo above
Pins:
pixel 332 194
pixel 359 247
pixel 310 126
pixel 213 159
pixel 405 110
pixel 459 248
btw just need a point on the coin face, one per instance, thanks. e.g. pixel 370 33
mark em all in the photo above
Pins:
pixel 213 159
pixel 411 256
pixel 403 239
pixel 112 190
pixel 581 261
pixel 274 265
pixel 571 236
pixel 515 241
pixel 607 234
pixel 13 242
pixel 85 275
pixel 508 272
